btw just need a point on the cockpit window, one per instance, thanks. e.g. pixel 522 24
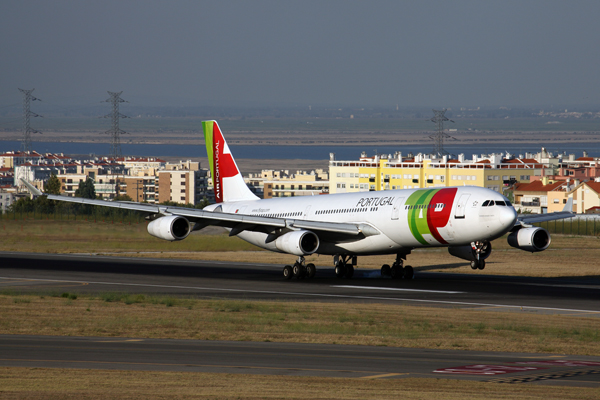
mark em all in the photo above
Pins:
pixel 485 203
pixel 500 203
pixel 508 203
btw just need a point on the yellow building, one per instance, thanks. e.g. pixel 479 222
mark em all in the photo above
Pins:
pixel 421 171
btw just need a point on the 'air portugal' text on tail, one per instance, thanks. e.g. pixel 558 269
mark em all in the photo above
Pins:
pixel 228 183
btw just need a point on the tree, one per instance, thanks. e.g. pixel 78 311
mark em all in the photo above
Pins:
pixel 53 185
pixel 23 205
pixel 86 189
pixel 123 197
pixel 203 203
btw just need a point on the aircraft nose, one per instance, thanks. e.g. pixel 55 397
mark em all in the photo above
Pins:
pixel 508 216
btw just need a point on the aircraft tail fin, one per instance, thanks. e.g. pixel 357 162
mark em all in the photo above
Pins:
pixel 228 182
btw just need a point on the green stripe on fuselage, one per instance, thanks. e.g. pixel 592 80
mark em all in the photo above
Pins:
pixel 207 127
pixel 417 214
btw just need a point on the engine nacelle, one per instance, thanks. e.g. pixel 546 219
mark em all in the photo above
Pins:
pixel 172 227
pixel 467 253
pixel 530 239
pixel 299 243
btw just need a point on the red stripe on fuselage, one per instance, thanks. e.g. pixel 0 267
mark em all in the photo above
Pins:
pixel 439 219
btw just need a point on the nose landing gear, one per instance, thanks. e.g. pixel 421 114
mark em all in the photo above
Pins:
pixel 478 264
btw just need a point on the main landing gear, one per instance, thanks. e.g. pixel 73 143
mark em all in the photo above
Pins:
pixel 299 270
pixel 398 270
pixel 344 266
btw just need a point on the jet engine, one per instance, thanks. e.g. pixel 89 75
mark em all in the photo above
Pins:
pixel 530 239
pixel 468 253
pixel 172 227
pixel 299 243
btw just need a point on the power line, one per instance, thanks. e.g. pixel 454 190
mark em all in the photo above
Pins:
pixel 439 118
pixel 27 113
pixel 115 131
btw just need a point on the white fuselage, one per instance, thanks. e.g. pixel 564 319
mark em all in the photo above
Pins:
pixel 406 219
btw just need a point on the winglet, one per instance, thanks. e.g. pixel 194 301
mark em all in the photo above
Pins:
pixel 569 206
pixel 34 191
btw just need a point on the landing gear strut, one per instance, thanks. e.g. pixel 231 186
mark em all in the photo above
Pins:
pixel 398 270
pixel 480 249
pixel 299 270
pixel 344 266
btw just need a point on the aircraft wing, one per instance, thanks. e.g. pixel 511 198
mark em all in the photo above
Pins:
pixel 567 212
pixel 328 231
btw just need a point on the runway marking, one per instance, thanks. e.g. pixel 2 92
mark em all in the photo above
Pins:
pixel 396 289
pixel 337 296
pixel 380 376
pixel 122 341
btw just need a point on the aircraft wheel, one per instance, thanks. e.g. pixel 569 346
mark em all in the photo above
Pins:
pixel 396 272
pixel 311 270
pixel 473 264
pixel 386 270
pixel 481 264
pixel 409 273
pixel 349 271
pixel 298 271
pixel 340 270
pixel 288 272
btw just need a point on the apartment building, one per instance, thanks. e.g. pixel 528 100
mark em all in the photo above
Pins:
pixel 282 183
pixel 12 158
pixel 184 182
pixel 385 172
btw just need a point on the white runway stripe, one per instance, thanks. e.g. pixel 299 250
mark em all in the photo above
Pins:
pixel 325 295
pixel 396 289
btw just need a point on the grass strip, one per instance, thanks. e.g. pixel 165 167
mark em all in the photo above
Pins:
pixel 138 315
pixel 40 383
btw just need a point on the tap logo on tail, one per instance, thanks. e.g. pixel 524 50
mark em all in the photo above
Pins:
pixel 223 167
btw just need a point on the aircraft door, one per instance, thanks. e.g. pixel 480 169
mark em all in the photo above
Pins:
pixel 461 205
pixel 306 211
pixel 396 209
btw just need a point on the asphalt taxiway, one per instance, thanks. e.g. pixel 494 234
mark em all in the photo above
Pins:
pixel 292 359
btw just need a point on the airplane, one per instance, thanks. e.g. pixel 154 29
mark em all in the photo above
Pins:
pixel 464 219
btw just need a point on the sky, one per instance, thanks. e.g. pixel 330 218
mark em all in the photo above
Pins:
pixel 300 53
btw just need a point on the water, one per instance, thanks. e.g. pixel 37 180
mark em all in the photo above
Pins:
pixel 300 152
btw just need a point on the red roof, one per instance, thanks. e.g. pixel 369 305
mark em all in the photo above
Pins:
pixel 585 159
pixel 538 186
pixel 595 186
pixel 21 154
pixel 139 159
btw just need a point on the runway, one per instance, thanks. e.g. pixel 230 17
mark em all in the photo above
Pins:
pixel 208 279
pixel 30 272
pixel 318 360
